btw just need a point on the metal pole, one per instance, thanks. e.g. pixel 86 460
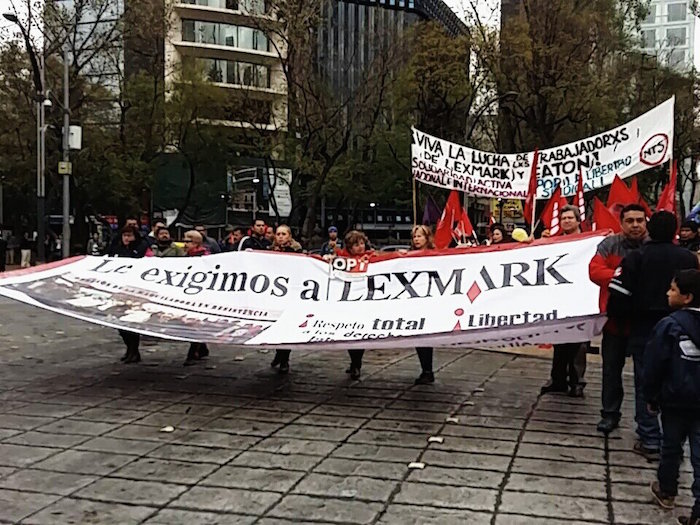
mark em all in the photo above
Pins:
pixel 65 245
pixel 41 166
pixel 255 203
pixel 2 221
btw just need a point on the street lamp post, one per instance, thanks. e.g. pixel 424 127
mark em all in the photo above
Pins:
pixel 65 244
pixel 41 102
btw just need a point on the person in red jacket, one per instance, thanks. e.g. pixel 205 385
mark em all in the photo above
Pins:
pixel 616 332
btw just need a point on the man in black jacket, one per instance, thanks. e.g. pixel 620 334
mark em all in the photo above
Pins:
pixel 257 240
pixel 672 384
pixel 688 235
pixel 639 292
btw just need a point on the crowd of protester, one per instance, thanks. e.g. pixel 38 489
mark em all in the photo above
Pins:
pixel 649 287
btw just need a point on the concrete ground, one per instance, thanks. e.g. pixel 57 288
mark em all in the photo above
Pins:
pixel 81 438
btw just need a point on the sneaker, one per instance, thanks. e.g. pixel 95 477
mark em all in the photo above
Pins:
pixel 688 520
pixel 650 454
pixel 551 388
pixel 607 425
pixel 425 378
pixel 664 500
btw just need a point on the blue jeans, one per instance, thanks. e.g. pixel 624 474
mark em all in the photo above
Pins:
pixel 679 426
pixel 647 424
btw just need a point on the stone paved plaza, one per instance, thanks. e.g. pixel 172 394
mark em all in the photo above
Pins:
pixel 81 439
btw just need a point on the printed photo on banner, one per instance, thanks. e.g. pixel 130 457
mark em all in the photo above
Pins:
pixel 638 145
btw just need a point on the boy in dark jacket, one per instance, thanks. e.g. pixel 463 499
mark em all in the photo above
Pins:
pixel 672 385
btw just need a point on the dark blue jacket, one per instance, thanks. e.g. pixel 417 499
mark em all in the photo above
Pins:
pixel 672 362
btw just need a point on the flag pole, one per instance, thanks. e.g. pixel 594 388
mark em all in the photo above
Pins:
pixel 415 203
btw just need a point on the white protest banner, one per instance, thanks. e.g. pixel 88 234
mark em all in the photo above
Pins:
pixel 515 294
pixel 638 145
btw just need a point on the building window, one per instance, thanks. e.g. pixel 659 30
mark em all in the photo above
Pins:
pixel 677 12
pixel 651 15
pixel 411 4
pixel 224 34
pixel 675 36
pixel 232 72
pixel 676 58
pixel 649 38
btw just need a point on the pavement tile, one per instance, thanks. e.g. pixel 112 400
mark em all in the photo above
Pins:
pixel 330 421
pixel 84 462
pixel 561 453
pixel 146 433
pixel 15 505
pixel 644 514
pixel 74 426
pixel 557 506
pixel 389 437
pixel 414 515
pixel 244 427
pixel 563 469
pixel 44 439
pixel 226 500
pixel 71 511
pixel 46 409
pixel 272 480
pixel 403 426
pixel 110 414
pixel 318 509
pixel 19 422
pixel 152 469
pixel 22 455
pixel 476 445
pixel 547 485
pixel 6 433
pixel 349 487
pixel 285 445
pixel 270 460
pixel 570 440
pixel 370 469
pixel 268 416
pixel 457 476
pixel 314 432
pixel 207 438
pixel 465 460
pixel 131 491
pixel 185 517
pixel 47 482
pixel 447 496
pixel 193 453
pixel 380 453
pixel 510 519
pixel 118 446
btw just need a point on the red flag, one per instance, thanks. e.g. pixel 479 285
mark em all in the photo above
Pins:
pixel 579 201
pixel 531 199
pixel 452 211
pixel 464 226
pixel 550 214
pixel 620 194
pixel 636 194
pixel 667 199
pixel 603 219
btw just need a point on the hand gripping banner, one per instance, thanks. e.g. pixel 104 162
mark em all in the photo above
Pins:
pixel 638 145
pixel 507 296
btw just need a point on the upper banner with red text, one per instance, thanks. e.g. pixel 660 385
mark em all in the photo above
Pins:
pixel 640 144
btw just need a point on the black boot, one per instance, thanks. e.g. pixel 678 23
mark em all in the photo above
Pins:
pixel 133 357
pixel 425 378
pixel 192 355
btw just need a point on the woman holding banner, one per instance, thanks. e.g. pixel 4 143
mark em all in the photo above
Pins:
pixel 422 239
pixel 356 247
pixel 284 242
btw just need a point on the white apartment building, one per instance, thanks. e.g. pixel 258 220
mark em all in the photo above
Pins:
pixel 224 37
pixel 670 32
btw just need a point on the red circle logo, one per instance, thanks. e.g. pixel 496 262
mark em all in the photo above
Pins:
pixel 654 150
